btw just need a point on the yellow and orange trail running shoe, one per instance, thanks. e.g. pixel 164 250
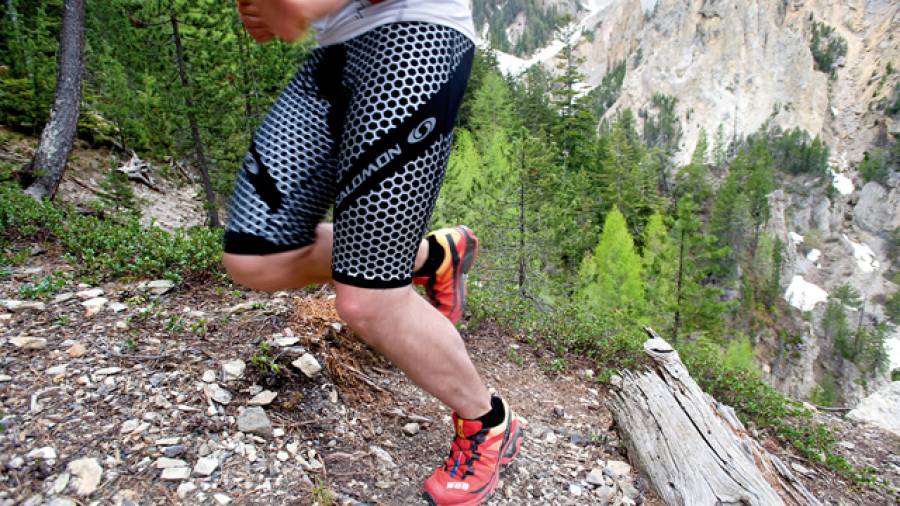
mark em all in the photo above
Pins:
pixel 470 475
pixel 446 288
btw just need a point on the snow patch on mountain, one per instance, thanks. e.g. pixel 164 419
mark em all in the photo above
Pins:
pixel 865 257
pixel 804 295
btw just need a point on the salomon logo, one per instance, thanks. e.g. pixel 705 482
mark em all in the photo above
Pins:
pixel 422 131
pixel 458 485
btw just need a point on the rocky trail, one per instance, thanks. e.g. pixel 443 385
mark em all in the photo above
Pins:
pixel 197 393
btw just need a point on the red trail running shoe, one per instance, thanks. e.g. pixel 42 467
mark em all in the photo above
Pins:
pixel 446 288
pixel 470 475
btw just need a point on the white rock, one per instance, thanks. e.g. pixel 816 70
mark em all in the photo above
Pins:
pixel 411 429
pixel 44 453
pixel 108 371
pixel 595 477
pixel 618 468
pixel 117 307
pixel 166 463
pixel 158 287
pixel 91 293
pixel 282 456
pixel 185 488
pixel 61 501
pixel 382 455
pixel 286 341
pixel 206 466
pixel 22 306
pixel 882 408
pixel 233 370
pixel 4 378
pixel 94 306
pixel 57 370
pixel 221 499
pixel 218 394
pixel 29 343
pixel 64 297
pixel 308 365
pixel 129 426
pixel 87 473
pixel 278 432
pixel 263 398
pixel 59 484
pixel 814 255
pixel 574 489
pixel 209 376
pixel 255 421
pixel 176 473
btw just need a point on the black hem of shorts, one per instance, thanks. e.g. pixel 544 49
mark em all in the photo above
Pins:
pixel 369 283
pixel 238 243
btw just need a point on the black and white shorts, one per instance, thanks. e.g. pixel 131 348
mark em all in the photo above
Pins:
pixel 365 127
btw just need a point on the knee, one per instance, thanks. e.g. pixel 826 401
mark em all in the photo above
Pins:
pixel 356 308
pixel 364 309
pixel 249 271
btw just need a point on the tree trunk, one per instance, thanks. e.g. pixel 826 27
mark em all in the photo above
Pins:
pixel 694 450
pixel 212 209
pixel 676 324
pixel 43 174
pixel 522 219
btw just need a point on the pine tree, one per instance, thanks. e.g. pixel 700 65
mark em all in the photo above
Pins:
pixel 659 268
pixel 610 279
pixel 694 178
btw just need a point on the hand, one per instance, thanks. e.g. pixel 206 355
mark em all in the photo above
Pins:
pixel 289 19
pixel 253 22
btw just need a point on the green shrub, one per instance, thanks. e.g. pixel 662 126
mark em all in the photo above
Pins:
pixel 827 47
pixel 106 248
pixel 876 166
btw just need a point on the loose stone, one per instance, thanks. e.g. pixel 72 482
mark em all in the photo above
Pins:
pixel 87 473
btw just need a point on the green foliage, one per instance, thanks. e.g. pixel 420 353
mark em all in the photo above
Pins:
pixel 605 95
pixel 541 23
pixel 739 355
pixel 116 194
pixel 878 165
pixel 828 48
pixel 106 249
pixel 265 361
pixel 659 268
pixel 892 308
pixel 757 402
pixel 795 153
pixel 662 127
pixel 46 288
pixel 610 279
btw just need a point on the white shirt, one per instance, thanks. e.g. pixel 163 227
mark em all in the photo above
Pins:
pixel 360 16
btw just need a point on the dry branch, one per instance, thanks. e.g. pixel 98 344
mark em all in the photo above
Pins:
pixel 694 449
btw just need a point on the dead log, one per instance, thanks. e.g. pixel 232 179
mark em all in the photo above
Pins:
pixel 139 170
pixel 694 450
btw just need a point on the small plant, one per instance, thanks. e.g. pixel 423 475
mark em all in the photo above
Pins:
pixel 131 344
pixel 514 357
pixel 264 361
pixel 199 327
pixel 828 48
pixel 557 364
pixel 45 288
pixel 63 320
pixel 322 495
pixel 256 305
pixel 175 325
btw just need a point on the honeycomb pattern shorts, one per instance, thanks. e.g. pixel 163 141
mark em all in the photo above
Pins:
pixel 365 128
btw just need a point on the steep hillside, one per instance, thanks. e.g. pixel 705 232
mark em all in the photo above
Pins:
pixel 826 67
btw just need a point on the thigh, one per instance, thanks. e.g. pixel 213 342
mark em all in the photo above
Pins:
pixel 407 81
pixel 287 182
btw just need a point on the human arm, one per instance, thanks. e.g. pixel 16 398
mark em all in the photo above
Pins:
pixel 289 19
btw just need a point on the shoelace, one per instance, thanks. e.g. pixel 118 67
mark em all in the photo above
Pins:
pixel 463 454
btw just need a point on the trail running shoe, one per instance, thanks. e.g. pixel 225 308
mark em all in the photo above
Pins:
pixel 446 288
pixel 470 475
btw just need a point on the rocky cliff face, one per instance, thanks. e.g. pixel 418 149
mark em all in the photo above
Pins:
pixel 737 64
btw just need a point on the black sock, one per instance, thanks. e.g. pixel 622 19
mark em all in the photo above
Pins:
pixel 495 416
pixel 434 260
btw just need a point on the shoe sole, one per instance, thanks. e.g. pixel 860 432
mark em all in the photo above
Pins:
pixel 511 448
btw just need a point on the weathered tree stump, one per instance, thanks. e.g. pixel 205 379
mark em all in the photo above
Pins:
pixel 693 449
